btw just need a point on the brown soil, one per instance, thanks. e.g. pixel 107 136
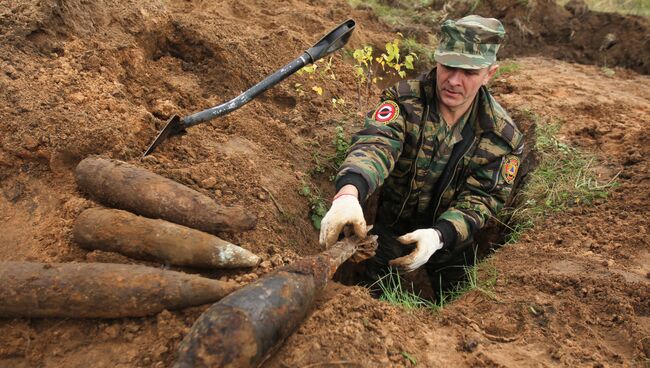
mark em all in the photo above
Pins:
pixel 81 78
pixel 572 33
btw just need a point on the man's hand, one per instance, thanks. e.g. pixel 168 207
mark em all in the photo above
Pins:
pixel 345 210
pixel 428 242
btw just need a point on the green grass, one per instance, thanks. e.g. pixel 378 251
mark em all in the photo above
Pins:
pixel 472 282
pixel 394 292
pixel 636 7
pixel 506 68
pixel 409 358
pixel 565 177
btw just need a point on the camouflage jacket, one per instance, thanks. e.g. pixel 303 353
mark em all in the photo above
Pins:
pixel 395 152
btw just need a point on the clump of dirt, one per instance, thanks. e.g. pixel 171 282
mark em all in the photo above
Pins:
pixel 572 33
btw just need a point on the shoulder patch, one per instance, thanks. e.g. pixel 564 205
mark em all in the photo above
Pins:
pixel 386 112
pixel 510 168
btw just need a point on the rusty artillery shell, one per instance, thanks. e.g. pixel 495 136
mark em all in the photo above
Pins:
pixel 245 327
pixel 124 186
pixel 142 238
pixel 100 290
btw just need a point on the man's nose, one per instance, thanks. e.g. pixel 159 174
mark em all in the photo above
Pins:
pixel 455 77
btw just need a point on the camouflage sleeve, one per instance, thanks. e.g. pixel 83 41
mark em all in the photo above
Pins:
pixel 485 191
pixel 375 149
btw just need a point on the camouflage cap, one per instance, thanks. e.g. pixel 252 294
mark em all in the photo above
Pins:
pixel 471 42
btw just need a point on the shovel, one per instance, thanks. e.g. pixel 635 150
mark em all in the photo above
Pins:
pixel 331 42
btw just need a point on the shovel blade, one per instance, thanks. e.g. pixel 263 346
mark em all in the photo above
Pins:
pixel 173 127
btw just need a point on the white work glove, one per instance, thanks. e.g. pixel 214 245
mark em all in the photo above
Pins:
pixel 345 210
pixel 428 242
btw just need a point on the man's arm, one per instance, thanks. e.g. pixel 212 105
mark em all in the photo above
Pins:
pixel 375 149
pixel 369 161
pixel 483 194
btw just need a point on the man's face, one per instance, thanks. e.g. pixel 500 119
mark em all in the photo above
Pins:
pixel 457 87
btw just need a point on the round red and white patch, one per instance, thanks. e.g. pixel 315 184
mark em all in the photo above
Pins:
pixel 386 112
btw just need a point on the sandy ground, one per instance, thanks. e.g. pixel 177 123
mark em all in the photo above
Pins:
pixel 81 79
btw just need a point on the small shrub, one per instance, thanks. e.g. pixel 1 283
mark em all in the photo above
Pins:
pixel 317 205
pixel 390 62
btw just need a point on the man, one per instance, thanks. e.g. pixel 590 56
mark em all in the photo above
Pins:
pixel 443 153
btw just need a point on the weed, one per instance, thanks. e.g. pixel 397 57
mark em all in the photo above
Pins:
pixel 406 11
pixel 317 72
pixel 516 230
pixel 393 292
pixel 341 145
pixel 475 5
pixel 410 358
pixel 332 162
pixel 505 69
pixel 317 205
pixel 471 282
pixel 564 178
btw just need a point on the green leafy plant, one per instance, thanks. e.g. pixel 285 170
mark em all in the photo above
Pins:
pixel 317 205
pixel 392 59
pixel 424 52
pixel 341 146
pixel 318 73
pixel 330 163
pixel 391 62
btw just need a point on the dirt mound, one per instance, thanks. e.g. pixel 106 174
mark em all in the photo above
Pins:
pixel 80 78
pixel 574 33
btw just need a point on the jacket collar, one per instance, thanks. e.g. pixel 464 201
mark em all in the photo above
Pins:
pixel 489 119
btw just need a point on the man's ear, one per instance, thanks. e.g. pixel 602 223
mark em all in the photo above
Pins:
pixel 492 69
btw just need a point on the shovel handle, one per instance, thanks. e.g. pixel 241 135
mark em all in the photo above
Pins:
pixel 332 41
pixel 245 97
